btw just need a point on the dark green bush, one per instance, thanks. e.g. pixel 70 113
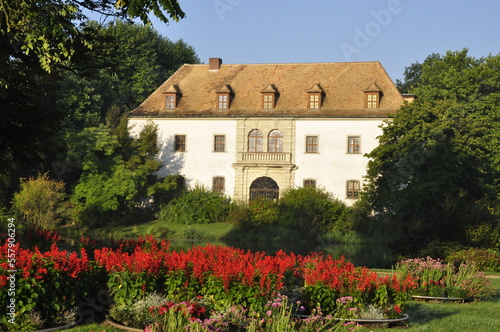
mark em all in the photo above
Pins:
pixel 166 189
pixel 313 209
pixel 196 206
pixel 264 211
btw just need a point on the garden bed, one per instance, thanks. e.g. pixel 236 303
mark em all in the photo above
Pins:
pixel 205 281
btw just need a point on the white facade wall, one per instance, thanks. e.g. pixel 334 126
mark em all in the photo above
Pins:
pixel 199 163
pixel 332 166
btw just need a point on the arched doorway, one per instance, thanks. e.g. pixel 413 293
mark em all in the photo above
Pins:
pixel 264 187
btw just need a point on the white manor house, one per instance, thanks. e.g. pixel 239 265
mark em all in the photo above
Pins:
pixel 250 130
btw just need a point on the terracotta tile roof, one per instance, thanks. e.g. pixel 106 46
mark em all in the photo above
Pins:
pixel 344 86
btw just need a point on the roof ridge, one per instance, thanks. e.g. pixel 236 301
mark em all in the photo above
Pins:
pixel 288 63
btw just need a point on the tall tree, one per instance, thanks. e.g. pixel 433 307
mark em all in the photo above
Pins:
pixel 45 31
pixel 127 63
pixel 115 172
pixel 435 177
pixel 44 42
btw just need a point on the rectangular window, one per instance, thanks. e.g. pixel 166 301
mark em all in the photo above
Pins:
pixel 219 184
pixel 353 187
pixel 353 144
pixel 180 143
pixel 314 101
pixel 170 102
pixel 372 100
pixel 219 143
pixel 309 183
pixel 223 101
pixel 311 144
pixel 268 101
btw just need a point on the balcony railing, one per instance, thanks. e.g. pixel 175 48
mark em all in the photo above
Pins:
pixel 265 157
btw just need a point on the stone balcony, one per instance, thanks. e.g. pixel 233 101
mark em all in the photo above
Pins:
pixel 264 157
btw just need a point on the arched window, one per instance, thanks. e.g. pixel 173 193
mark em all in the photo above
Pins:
pixel 275 141
pixel 255 141
pixel 264 187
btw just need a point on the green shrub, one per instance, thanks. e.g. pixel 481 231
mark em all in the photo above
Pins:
pixel 138 314
pixel 41 201
pixel 193 234
pixel 240 216
pixel 197 206
pixel 264 211
pixel 313 209
pixel 485 259
pixel 166 189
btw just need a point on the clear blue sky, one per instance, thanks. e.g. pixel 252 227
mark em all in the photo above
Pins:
pixel 395 32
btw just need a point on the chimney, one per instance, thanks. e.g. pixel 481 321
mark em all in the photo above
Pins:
pixel 214 63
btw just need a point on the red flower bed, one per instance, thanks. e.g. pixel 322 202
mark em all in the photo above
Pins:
pixel 51 282
pixel 226 275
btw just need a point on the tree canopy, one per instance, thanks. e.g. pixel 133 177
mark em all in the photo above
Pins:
pixel 127 63
pixel 435 177
pixel 46 32
pixel 41 110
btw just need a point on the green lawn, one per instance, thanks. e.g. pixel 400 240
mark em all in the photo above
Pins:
pixel 481 316
pixel 94 328
pixel 161 229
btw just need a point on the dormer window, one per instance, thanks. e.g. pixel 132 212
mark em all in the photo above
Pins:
pixel 223 101
pixel 314 97
pixel 268 101
pixel 269 97
pixel 372 96
pixel 170 102
pixel 224 95
pixel 372 100
pixel 314 101
pixel 172 96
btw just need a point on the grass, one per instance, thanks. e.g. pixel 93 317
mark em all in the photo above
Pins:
pixel 474 317
pixel 94 327
pixel 212 231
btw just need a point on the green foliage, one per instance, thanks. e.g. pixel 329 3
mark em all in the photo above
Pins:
pixel 41 201
pixel 196 206
pixel 53 84
pixel 167 188
pixel 127 288
pixel 309 210
pixel 47 33
pixel 485 259
pixel 264 211
pixel 28 122
pixel 313 209
pixel 434 176
pixel 128 62
pixel 115 173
